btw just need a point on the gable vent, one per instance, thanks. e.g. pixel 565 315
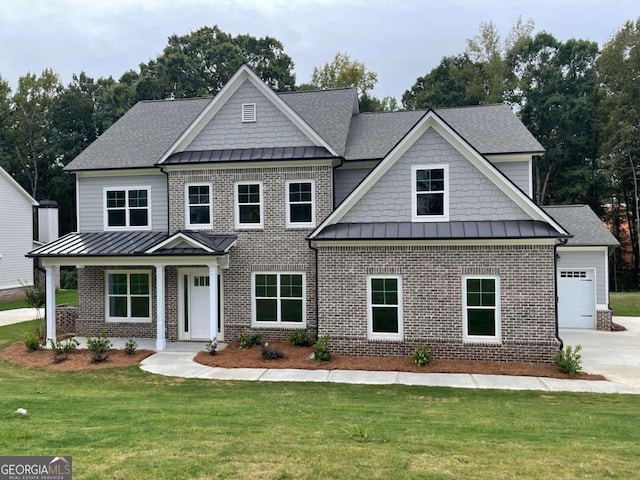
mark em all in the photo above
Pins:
pixel 248 112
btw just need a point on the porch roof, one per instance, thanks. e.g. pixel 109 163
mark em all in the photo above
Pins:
pixel 101 244
pixel 463 230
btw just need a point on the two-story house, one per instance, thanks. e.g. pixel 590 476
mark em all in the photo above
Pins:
pixel 267 212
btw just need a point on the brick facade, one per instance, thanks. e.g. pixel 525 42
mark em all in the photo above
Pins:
pixel 604 320
pixel 432 299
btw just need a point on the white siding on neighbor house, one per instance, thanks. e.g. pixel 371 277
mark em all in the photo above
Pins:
pixel 588 259
pixel 345 180
pixel 271 128
pixel 472 196
pixel 518 172
pixel 16 236
pixel 91 205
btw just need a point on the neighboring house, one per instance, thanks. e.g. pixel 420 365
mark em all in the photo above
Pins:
pixel 263 212
pixel 16 236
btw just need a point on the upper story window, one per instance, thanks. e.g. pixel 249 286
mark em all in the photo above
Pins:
pixel 249 204
pixel 248 112
pixel 430 193
pixel 300 203
pixel 198 205
pixel 127 208
pixel 481 308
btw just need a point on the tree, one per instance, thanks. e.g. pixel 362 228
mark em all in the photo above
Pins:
pixel 5 113
pixel 201 63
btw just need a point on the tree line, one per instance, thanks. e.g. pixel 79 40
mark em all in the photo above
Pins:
pixel 580 100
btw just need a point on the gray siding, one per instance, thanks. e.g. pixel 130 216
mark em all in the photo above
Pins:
pixel 517 172
pixel 17 237
pixel 472 196
pixel 271 128
pixel 345 180
pixel 588 259
pixel 91 199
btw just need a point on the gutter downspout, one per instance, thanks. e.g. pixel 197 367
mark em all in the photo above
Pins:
pixel 315 249
pixel 555 285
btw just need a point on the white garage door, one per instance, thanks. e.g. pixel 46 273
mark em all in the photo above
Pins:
pixel 576 299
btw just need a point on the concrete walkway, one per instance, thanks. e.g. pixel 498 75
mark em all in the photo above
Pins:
pixel 17 315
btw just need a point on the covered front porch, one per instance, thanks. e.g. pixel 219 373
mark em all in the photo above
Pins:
pixel 126 289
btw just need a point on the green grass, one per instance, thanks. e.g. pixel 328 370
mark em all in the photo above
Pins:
pixel 127 424
pixel 625 304
pixel 62 296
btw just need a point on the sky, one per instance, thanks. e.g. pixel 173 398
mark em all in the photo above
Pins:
pixel 400 40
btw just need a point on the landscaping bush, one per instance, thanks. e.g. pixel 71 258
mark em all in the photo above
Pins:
pixel 212 346
pixel 99 347
pixel 32 341
pixel 271 353
pixel 569 360
pixel 64 347
pixel 422 356
pixel 299 338
pixel 248 340
pixel 321 351
pixel 130 347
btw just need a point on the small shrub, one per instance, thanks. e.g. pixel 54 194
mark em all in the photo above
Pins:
pixel 99 347
pixel 569 360
pixel 321 351
pixel 212 346
pixel 32 341
pixel 130 347
pixel 248 340
pixel 69 278
pixel 299 338
pixel 271 353
pixel 65 347
pixel 422 356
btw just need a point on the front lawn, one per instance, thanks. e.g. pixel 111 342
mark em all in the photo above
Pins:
pixel 625 304
pixel 123 423
pixel 70 297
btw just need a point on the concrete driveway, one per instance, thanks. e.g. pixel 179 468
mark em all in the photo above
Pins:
pixel 616 355
pixel 8 317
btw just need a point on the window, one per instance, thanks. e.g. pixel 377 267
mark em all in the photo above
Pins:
pixel 430 193
pixel 481 308
pixel 128 296
pixel 249 205
pixel 279 299
pixel 198 206
pixel 127 208
pixel 248 112
pixel 384 305
pixel 300 203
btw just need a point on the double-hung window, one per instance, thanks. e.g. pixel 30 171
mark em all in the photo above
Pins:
pixel 278 299
pixel 248 205
pixel 481 308
pixel 300 203
pixel 127 208
pixel 430 193
pixel 198 205
pixel 128 296
pixel 384 305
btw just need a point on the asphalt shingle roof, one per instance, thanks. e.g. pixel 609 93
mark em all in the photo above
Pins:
pixel 585 226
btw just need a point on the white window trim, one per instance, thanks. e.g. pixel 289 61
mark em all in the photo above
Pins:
pixel 497 338
pixel 288 203
pixel 248 226
pixel 371 335
pixel 414 194
pixel 105 212
pixel 246 109
pixel 197 226
pixel 129 319
pixel 278 324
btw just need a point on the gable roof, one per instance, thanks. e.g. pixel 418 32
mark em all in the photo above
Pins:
pixel 433 120
pixel 11 181
pixel 585 226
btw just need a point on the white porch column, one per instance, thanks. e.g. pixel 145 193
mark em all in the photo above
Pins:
pixel 213 301
pixel 50 303
pixel 161 343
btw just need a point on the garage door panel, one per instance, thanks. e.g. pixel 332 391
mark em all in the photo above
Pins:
pixel 576 298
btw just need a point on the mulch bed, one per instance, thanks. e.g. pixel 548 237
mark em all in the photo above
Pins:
pixel 298 357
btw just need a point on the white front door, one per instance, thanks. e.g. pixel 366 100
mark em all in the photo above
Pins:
pixel 195 318
pixel 576 298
